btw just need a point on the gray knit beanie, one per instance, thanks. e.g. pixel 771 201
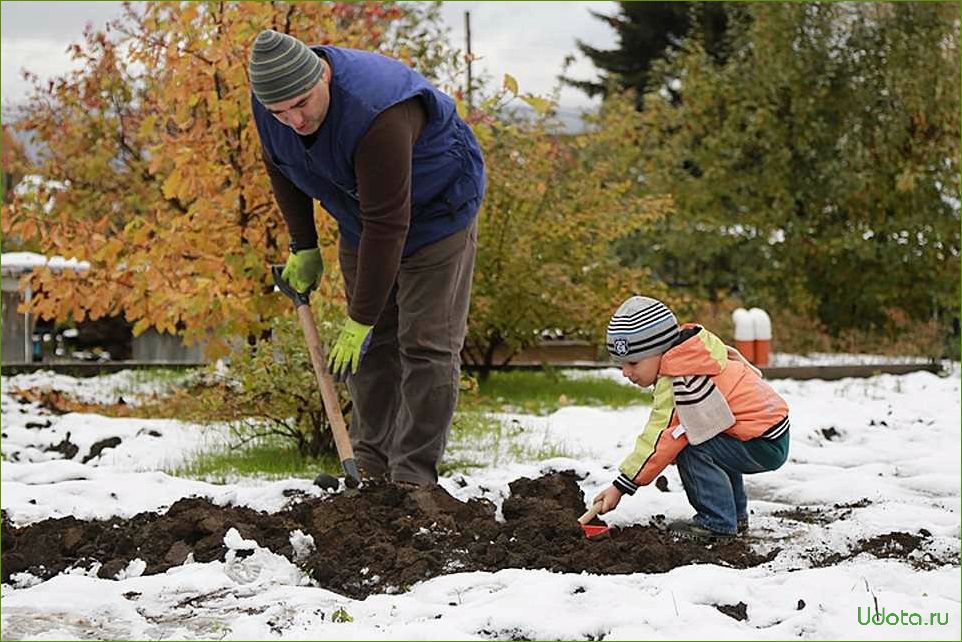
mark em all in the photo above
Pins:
pixel 641 327
pixel 282 67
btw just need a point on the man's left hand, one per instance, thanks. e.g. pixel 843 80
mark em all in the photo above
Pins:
pixel 349 348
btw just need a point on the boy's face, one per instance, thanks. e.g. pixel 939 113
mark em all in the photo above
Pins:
pixel 644 372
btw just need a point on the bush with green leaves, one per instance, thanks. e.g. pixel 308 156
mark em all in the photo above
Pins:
pixel 269 390
pixel 816 170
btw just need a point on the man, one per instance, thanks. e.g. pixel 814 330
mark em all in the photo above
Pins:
pixel 388 157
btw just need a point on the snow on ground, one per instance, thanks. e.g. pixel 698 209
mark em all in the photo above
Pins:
pixel 126 385
pixel 840 358
pixel 145 444
pixel 878 455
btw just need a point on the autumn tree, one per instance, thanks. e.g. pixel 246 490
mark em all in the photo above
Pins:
pixel 14 164
pixel 555 204
pixel 165 192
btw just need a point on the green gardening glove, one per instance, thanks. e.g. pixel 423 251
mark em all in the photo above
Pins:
pixel 350 346
pixel 303 269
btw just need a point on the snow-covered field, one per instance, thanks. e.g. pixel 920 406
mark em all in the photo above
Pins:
pixel 875 455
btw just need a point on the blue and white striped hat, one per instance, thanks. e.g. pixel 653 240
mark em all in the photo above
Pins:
pixel 641 327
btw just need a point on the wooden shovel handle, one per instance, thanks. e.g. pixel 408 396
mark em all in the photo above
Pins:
pixel 324 381
pixel 590 514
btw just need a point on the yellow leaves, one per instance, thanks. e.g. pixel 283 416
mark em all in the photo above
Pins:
pixel 510 84
pixel 554 205
pixel 172 185
pixel 27 229
pixel 188 12
pixel 139 234
pixel 109 252
pixel 141 326
pixel 541 106
pixel 906 180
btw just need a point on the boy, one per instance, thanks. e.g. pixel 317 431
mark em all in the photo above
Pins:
pixel 712 415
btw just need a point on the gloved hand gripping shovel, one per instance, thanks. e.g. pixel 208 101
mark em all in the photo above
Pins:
pixel 332 408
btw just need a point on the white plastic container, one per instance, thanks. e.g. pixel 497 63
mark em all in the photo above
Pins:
pixel 762 325
pixel 744 333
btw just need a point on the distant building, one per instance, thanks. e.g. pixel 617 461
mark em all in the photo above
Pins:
pixel 18 327
pixel 22 344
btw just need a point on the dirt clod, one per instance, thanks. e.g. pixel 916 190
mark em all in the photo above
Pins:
pixel 100 446
pixel 66 448
pixel 735 611
pixel 662 483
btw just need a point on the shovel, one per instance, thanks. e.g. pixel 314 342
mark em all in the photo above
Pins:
pixel 592 531
pixel 332 407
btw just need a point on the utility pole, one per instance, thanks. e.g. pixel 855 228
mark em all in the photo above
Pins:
pixel 467 31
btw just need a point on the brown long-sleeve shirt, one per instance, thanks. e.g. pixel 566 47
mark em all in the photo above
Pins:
pixel 382 164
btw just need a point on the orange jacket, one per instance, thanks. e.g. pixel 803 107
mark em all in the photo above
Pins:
pixel 755 404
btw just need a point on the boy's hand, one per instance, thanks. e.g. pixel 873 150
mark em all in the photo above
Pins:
pixel 608 498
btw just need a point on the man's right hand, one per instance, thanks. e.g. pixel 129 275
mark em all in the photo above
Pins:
pixel 303 269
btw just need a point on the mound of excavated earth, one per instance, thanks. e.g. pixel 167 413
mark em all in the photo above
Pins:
pixel 380 539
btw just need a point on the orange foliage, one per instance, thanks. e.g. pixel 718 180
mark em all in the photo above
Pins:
pixel 164 189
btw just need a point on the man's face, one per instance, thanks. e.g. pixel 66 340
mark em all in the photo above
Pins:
pixel 304 113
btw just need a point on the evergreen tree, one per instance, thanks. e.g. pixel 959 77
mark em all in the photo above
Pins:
pixel 647 32
pixel 827 149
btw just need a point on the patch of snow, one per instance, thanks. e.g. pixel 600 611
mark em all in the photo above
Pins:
pixel 880 454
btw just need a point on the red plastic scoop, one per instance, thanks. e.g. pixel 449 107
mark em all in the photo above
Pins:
pixel 592 531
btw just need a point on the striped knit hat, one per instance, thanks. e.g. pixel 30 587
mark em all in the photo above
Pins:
pixel 282 67
pixel 641 327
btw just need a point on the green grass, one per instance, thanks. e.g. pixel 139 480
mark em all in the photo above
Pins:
pixel 477 438
pixel 267 459
pixel 543 392
pixel 147 379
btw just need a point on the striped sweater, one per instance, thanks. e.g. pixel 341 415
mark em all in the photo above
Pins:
pixel 699 369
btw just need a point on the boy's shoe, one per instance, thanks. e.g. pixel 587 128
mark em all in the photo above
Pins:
pixel 742 525
pixel 689 530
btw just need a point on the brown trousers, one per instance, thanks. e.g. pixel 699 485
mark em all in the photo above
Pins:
pixel 406 387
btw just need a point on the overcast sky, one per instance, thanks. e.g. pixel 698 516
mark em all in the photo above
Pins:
pixel 526 39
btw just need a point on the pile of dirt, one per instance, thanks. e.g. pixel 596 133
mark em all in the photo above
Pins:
pixel 384 538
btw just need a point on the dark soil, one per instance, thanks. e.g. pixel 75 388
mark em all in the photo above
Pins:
pixel 100 446
pixel 400 536
pixel 735 611
pixel 66 448
pixel 896 545
pixel 822 515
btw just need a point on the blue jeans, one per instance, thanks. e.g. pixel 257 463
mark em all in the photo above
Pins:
pixel 711 473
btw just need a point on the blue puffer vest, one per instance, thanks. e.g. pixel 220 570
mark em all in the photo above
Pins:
pixel 447 183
